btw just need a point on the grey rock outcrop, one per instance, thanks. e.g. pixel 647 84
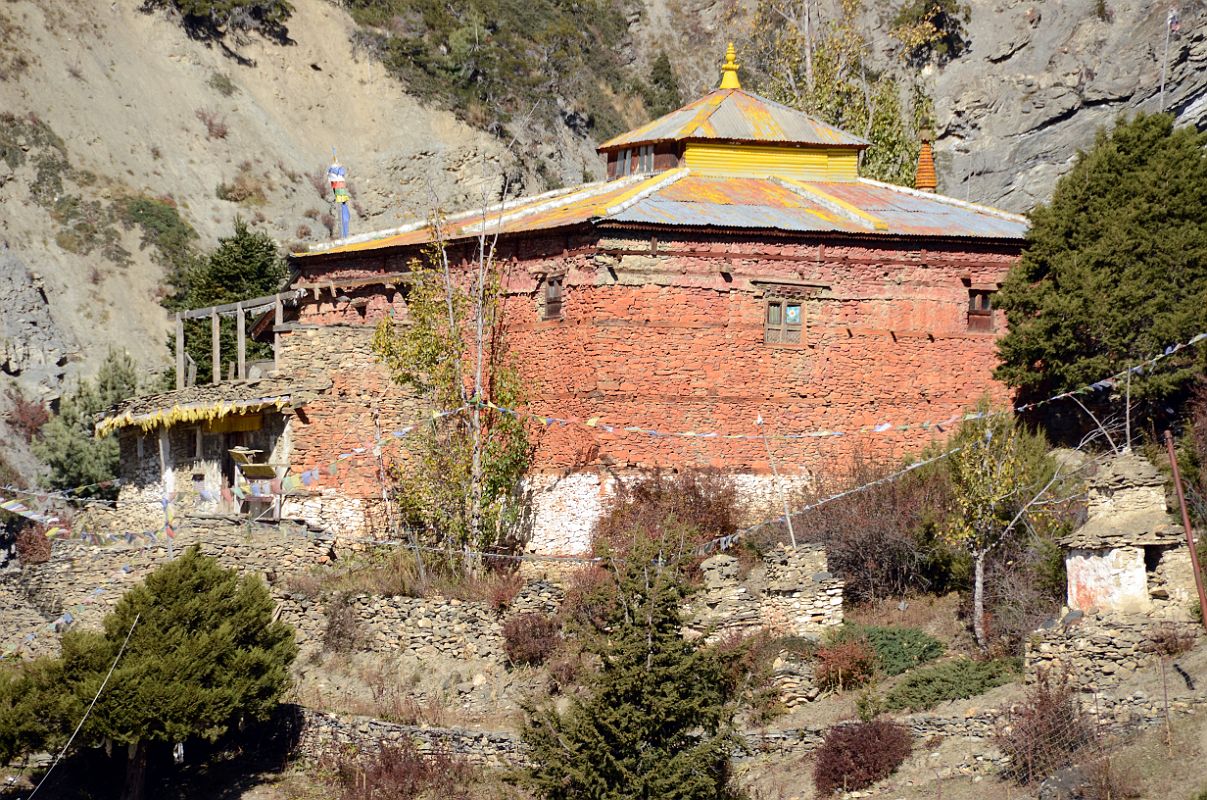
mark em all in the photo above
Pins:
pixel 1040 78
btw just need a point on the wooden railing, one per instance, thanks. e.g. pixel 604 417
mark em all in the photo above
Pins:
pixel 239 311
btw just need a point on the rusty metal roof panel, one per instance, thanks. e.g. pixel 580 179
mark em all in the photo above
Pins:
pixel 681 198
pixel 913 213
pixel 738 116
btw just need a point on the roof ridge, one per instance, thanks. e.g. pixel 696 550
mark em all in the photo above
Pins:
pixel 809 191
pixel 422 222
pixel 658 183
pixel 582 192
pixel 951 201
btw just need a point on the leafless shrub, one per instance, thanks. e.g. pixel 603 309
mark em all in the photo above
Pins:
pixel 311 213
pixel 401 772
pixel 328 222
pixel 1107 779
pixel 882 540
pixel 303 232
pixel 1046 731
pixel 1170 640
pixel 32 545
pixel 688 507
pixel 344 632
pixel 318 179
pixel 215 125
pixel 26 416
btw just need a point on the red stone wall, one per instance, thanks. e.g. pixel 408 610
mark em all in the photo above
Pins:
pixel 356 405
pixel 668 334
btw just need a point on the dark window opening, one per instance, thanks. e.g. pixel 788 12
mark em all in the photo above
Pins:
pixel 553 298
pixel 980 310
pixel 783 322
pixel 1152 558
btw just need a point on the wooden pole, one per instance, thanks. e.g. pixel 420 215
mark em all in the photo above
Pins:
pixel 1194 556
pixel 216 346
pixel 241 329
pixel 278 317
pixel 179 352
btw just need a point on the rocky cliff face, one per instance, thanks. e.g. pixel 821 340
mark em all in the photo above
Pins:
pixel 1041 78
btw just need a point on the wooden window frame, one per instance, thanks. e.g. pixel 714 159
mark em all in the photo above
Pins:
pixel 980 309
pixel 554 297
pixel 781 331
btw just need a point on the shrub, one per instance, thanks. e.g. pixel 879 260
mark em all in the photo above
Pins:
pixel 246 189
pixel 32 545
pixel 222 84
pixel 529 639
pixel 880 541
pixel 400 772
pixel 344 632
pixel 1046 730
pixel 844 665
pixel 26 417
pixel 215 126
pixel 1169 640
pixel 748 661
pixel 855 755
pixel 1105 779
pixel 952 680
pixel 897 649
pixel 694 505
pixel 932 29
pixel 498 588
pixel 214 19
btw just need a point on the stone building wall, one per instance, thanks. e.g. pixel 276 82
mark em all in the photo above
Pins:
pixel 86 580
pixel 668 336
pixel 796 596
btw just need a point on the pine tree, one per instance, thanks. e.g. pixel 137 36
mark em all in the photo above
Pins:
pixel 245 264
pixel 204 655
pixel 66 443
pixel 658 721
pixel 1115 268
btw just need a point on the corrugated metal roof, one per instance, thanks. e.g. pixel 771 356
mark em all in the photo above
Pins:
pixel 679 198
pixel 735 115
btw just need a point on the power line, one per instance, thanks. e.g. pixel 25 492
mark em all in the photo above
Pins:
pixel 104 683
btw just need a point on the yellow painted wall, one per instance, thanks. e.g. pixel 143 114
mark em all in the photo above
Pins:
pixel 810 163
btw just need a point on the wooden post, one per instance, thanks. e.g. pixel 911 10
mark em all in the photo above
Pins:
pixel 179 352
pixel 215 345
pixel 277 318
pixel 240 327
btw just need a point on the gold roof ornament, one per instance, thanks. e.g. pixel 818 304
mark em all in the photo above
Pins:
pixel 729 70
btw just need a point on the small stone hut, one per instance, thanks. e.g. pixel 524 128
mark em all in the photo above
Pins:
pixel 1130 556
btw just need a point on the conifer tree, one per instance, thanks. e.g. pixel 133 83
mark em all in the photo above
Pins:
pixel 66 442
pixel 204 655
pixel 245 264
pixel 1115 268
pixel 658 721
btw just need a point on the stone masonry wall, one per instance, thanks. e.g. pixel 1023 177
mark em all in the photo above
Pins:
pixel 86 580
pixel 798 596
pixel 1099 651
pixel 361 407
pixel 668 335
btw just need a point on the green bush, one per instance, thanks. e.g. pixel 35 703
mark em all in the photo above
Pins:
pixel 897 649
pixel 952 680
pixel 211 20
pixel 493 61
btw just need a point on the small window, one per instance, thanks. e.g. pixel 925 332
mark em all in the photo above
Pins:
pixel 980 310
pixel 783 322
pixel 553 298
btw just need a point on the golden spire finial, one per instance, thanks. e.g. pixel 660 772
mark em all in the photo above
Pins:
pixel 729 70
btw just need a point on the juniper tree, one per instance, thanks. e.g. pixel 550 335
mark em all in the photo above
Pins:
pixel 204 655
pixel 657 721
pixel 1115 268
